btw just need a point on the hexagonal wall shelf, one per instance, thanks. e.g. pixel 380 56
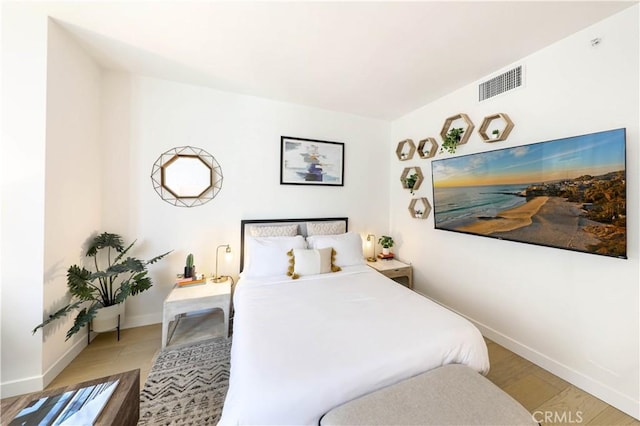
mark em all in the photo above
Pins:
pixel 427 148
pixel 411 170
pixel 506 126
pixel 467 129
pixel 419 208
pixel 401 150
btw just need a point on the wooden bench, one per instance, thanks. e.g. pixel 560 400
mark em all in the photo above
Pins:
pixel 450 395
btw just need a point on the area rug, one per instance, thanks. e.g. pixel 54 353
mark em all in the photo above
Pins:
pixel 187 385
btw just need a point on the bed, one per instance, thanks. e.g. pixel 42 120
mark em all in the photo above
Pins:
pixel 306 345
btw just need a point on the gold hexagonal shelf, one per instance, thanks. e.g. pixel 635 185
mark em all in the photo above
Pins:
pixel 501 135
pixel 419 208
pixel 467 129
pixel 427 148
pixel 405 175
pixel 401 150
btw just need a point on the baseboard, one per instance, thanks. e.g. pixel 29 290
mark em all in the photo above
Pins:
pixel 22 386
pixel 142 320
pixel 596 388
pixel 38 383
pixel 64 360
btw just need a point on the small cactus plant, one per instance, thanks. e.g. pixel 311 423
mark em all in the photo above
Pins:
pixel 189 269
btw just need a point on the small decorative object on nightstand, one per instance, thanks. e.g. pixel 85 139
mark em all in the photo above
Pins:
pixel 394 269
pixel 189 268
pixel 386 242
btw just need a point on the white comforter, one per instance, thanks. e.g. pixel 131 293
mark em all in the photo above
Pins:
pixel 302 347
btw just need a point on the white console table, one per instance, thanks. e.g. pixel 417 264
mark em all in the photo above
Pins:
pixel 192 298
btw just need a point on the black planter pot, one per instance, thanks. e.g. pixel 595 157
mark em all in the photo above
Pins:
pixel 189 272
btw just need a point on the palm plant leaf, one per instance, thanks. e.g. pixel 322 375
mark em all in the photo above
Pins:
pixel 83 318
pixel 155 259
pixel 122 292
pixel 79 283
pixel 139 283
pixel 103 240
pixel 58 314
pixel 123 252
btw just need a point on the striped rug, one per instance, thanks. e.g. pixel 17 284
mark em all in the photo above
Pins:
pixel 187 385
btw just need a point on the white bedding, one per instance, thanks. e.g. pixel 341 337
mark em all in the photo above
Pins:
pixel 302 347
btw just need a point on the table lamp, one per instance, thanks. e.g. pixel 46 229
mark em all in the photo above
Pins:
pixel 371 239
pixel 217 278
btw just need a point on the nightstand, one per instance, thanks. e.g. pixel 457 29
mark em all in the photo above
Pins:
pixel 194 298
pixel 394 269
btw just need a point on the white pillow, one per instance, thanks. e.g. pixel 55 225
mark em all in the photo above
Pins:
pixel 273 230
pixel 326 228
pixel 310 261
pixel 348 247
pixel 267 256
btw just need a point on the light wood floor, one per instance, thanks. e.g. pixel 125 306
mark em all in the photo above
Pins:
pixel 537 390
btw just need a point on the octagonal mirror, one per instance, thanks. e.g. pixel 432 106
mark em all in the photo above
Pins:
pixel 186 176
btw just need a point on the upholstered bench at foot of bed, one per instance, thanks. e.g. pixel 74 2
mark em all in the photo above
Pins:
pixel 449 395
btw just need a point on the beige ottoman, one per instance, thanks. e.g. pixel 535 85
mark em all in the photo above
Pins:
pixel 449 395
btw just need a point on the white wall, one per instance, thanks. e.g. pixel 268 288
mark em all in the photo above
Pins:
pixel 575 314
pixel 144 117
pixel 23 196
pixel 73 183
pixel 91 171
pixel 51 190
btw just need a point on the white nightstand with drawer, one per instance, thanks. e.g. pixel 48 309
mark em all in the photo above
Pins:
pixel 186 299
pixel 393 269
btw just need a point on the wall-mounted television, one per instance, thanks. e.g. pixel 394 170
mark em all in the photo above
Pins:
pixel 567 193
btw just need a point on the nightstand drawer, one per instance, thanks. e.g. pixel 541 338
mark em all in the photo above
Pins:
pixel 395 269
pixel 399 272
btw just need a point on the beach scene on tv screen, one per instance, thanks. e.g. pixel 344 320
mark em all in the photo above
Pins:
pixel 567 193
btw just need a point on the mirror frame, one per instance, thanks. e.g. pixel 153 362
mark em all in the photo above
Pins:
pixel 181 200
pixel 163 175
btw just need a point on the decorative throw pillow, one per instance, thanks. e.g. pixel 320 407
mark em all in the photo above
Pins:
pixel 311 262
pixel 326 228
pixel 348 247
pixel 273 230
pixel 267 256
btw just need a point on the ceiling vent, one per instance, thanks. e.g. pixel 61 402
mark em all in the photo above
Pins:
pixel 502 83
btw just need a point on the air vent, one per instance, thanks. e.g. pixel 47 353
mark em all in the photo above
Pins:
pixel 502 83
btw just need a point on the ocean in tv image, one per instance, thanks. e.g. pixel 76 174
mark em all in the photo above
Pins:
pixel 567 193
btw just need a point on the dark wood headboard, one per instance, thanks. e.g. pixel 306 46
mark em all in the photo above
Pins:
pixel 301 228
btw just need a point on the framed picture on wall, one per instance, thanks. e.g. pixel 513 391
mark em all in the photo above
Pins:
pixel 567 193
pixel 311 162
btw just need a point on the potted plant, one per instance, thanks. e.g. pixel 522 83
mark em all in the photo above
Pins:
pixel 189 269
pixel 410 181
pixel 419 213
pixel 495 133
pixel 450 142
pixel 386 242
pixel 103 292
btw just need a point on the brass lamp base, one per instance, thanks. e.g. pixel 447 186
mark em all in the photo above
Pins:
pixel 219 279
pixel 371 259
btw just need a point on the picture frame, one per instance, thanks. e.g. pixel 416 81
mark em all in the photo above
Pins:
pixel 567 193
pixel 311 162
